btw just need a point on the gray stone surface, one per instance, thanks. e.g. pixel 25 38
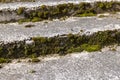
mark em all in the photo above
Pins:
pixel 6 15
pixel 14 31
pixel 78 66
pixel 42 2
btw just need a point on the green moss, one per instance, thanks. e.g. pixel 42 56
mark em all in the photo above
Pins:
pixel 45 14
pixel 86 47
pixel 36 19
pixel 76 49
pixel 86 14
pixel 3 60
pixel 20 21
pixel 40 14
pixel 39 39
pixel 35 60
pixel 101 5
pixel 62 45
pixel 60 11
pixel 43 7
pixel 92 48
pixel 20 10
pixel 101 16
pixel 34 14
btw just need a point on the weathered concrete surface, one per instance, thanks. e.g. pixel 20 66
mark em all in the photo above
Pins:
pixel 80 66
pixel 37 3
pixel 8 16
pixel 14 31
pixel 8 12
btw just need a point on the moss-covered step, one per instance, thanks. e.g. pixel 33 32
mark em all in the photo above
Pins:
pixel 42 46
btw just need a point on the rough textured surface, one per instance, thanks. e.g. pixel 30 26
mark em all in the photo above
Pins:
pixel 80 66
pixel 14 31
pixel 8 13
pixel 7 16
pixel 42 2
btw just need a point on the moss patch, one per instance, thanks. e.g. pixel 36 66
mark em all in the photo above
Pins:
pixel 90 48
pixel 61 45
pixel 61 11
pixel 3 60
